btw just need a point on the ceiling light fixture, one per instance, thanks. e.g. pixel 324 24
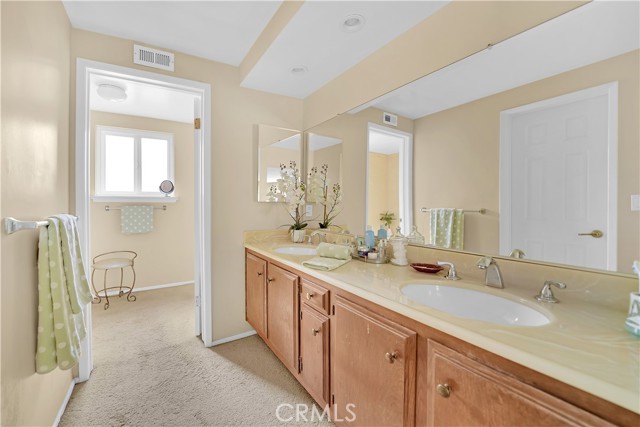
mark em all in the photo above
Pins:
pixel 298 69
pixel 352 23
pixel 112 93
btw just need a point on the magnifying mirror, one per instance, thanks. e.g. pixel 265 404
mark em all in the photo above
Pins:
pixel 166 187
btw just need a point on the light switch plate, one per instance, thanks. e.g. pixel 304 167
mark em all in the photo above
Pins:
pixel 635 202
pixel 309 211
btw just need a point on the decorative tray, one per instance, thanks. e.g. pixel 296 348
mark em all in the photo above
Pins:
pixel 426 268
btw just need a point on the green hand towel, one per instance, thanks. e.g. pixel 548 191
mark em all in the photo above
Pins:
pixel 325 264
pixel 328 250
pixel 447 228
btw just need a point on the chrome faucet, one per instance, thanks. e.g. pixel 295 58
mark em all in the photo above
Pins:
pixel 451 274
pixel 546 294
pixel 322 237
pixel 492 275
pixel 517 253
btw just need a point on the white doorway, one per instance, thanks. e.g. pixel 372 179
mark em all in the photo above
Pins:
pixel 558 179
pixel 85 71
pixel 389 164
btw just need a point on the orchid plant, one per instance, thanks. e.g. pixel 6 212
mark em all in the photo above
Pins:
pixel 320 191
pixel 291 189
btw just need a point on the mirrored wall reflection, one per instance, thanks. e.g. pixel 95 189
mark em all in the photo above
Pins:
pixel 455 118
pixel 325 150
pixel 276 146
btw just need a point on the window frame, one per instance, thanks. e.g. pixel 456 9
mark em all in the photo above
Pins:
pixel 100 194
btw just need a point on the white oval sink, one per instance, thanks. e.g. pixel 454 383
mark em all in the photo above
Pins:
pixel 296 250
pixel 475 305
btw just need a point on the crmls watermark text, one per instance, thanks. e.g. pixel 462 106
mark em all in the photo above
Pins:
pixel 286 412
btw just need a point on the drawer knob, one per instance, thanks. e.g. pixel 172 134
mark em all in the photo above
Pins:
pixel 315 331
pixel 270 279
pixel 444 390
pixel 259 273
pixel 310 295
pixel 391 357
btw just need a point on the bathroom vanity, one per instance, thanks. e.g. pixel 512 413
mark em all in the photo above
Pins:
pixel 351 337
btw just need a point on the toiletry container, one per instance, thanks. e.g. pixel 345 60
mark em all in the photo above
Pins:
pixel 369 237
pixel 399 246
pixel 415 237
pixel 382 232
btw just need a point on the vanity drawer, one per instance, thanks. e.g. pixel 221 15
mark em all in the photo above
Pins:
pixel 314 295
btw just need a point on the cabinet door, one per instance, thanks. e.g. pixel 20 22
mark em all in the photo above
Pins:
pixel 256 293
pixel 282 314
pixel 314 353
pixel 374 364
pixel 464 392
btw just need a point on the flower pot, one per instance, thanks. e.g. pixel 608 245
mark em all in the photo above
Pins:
pixel 297 236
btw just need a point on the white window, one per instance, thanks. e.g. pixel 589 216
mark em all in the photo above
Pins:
pixel 132 162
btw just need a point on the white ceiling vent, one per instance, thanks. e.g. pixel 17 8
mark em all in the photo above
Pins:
pixel 153 57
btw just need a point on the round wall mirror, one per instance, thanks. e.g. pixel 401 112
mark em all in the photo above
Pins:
pixel 166 187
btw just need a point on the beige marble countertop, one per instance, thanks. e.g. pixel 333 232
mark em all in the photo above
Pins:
pixel 585 345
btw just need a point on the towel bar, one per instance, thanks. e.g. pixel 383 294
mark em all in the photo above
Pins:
pixel 11 225
pixel 481 211
pixel 109 208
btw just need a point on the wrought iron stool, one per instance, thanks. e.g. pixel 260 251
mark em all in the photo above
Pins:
pixel 111 261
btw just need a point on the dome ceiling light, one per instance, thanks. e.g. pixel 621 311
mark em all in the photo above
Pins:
pixel 352 23
pixel 111 92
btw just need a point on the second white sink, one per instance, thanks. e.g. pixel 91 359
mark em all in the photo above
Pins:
pixel 475 305
pixel 296 250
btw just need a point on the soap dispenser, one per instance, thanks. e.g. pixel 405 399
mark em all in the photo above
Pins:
pixel 382 232
pixel 369 237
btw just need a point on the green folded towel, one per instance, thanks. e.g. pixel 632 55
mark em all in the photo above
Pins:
pixel 328 250
pixel 325 264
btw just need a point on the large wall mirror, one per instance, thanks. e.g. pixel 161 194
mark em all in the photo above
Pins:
pixel 507 131
pixel 276 146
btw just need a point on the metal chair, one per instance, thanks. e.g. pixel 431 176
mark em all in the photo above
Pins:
pixel 111 261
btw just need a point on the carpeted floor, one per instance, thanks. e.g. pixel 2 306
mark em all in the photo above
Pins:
pixel 150 370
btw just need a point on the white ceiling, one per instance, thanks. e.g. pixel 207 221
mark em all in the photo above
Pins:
pixel 314 39
pixel 590 33
pixel 222 31
pixel 319 142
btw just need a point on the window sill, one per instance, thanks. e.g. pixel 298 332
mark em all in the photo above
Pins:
pixel 134 199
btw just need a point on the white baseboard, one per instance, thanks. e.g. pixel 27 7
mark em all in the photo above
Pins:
pixel 64 403
pixel 113 292
pixel 232 338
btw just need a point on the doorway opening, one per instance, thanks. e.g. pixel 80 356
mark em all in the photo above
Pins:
pixel 88 72
pixel 389 177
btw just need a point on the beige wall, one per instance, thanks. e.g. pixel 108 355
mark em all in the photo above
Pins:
pixel 166 254
pixel 469 137
pixel 456 31
pixel 352 129
pixel 383 188
pixel 235 113
pixel 35 182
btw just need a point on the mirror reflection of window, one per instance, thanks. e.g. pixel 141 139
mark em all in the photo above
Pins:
pixel 276 146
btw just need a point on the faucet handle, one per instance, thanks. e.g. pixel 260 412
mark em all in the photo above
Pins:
pixel 546 294
pixel 451 274
pixel 484 262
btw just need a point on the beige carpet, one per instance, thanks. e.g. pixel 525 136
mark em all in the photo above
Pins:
pixel 150 370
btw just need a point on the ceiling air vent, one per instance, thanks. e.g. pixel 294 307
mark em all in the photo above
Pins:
pixel 152 57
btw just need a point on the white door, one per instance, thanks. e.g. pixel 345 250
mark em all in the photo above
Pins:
pixel 198 159
pixel 560 181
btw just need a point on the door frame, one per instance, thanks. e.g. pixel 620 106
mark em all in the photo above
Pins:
pixel 405 172
pixel 202 156
pixel 506 118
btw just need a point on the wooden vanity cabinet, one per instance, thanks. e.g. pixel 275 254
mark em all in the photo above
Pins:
pixel 464 392
pixel 314 354
pixel 373 368
pixel 256 294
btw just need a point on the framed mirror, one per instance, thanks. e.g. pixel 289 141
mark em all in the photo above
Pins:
pixel 457 115
pixel 276 146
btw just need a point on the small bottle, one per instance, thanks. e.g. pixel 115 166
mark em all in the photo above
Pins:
pixel 369 237
pixel 382 232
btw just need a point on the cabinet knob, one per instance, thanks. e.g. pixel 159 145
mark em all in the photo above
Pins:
pixel 391 357
pixel 259 273
pixel 270 279
pixel 315 331
pixel 310 295
pixel 444 390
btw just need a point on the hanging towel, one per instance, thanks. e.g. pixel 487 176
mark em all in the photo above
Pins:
pixel 63 291
pixel 136 219
pixel 447 228
pixel 325 264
